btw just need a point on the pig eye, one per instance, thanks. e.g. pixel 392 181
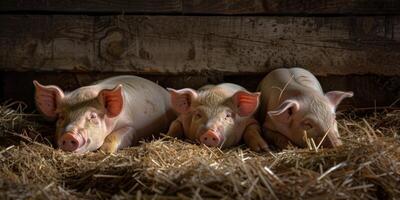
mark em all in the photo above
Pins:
pixel 198 115
pixel 307 126
pixel 228 115
pixel 93 118
pixel 93 115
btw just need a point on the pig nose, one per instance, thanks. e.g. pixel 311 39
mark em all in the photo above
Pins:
pixel 332 143
pixel 211 138
pixel 336 143
pixel 70 142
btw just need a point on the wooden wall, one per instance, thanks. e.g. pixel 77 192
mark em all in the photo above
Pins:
pixel 210 40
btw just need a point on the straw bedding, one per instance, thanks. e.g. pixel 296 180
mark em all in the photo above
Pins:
pixel 367 166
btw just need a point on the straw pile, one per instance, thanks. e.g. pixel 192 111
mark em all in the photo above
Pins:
pixel 366 167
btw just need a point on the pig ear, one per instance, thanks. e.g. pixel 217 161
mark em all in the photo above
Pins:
pixel 335 97
pixel 48 98
pixel 246 102
pixel 182 99
pixel 112 100
pixel 285 111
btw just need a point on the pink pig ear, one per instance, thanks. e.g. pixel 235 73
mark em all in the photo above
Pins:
pixel 182 99
pixel 335 97
pixel 112 100
pixel 285 111
pixel 246 102
pixel 48 98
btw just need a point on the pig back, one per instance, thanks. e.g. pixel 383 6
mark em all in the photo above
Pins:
pixel 305 78
pixel 147 105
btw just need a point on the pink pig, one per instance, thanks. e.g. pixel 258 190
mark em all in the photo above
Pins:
pixel 217 116
pixel 111 114
pixel 293 104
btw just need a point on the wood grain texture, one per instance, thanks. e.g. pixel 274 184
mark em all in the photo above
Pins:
pixel 224 7
pixel 119 6
pixel 200 44
pixel 285 7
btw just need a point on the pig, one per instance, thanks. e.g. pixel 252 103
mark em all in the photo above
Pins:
pixel 217 116
pixel 293 104
pixel 110 114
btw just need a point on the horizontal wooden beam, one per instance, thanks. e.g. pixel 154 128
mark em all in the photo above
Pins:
pixel 200 44
pixel 290 7
pixel 223 7
pixel 90 6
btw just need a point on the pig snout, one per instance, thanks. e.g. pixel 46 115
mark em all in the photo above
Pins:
pixel 332 142
pixel 211 138
pixel 70 141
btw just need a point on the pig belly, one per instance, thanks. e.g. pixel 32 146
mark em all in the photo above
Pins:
pixel 149 124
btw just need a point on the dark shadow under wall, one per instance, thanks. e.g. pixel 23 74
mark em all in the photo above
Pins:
pixel 370 90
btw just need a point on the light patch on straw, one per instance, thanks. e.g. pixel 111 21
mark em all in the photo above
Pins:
pixel 6 149
pixel 155 162
pixel 251 187
pixel 197 194
pixel 270 172
pixel 371 129
pixel 361 187
pixel 48 186
pixel 314 147
pixel 266 183
pixel 104 159
pixel 222 144
pixel 106 176
pixel 308 142
pixel 323 138
pixel 342 164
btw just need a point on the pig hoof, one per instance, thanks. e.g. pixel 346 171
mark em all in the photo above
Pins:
pixel 109 147
pixel 259 146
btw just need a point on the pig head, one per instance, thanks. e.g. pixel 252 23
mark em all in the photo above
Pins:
pixel 313 115
pixel 216 116
pixel 294 105
pixel 84 118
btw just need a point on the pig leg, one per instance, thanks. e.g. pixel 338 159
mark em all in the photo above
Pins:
pixel 279 140
pixel 252 137
pixel 175 129
pixel 118 139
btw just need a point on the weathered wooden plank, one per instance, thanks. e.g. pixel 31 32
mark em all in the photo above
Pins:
pixel 113 6
pixel 236 7
pixel 200 44
pixel 207 6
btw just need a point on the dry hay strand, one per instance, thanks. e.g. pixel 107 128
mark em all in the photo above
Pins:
pixel 367 166
pixel 15 124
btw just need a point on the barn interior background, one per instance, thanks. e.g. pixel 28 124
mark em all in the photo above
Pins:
pixel 350 45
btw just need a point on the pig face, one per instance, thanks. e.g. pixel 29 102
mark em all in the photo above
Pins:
pixel 84 118
pixel 313 115
pixel 212 119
